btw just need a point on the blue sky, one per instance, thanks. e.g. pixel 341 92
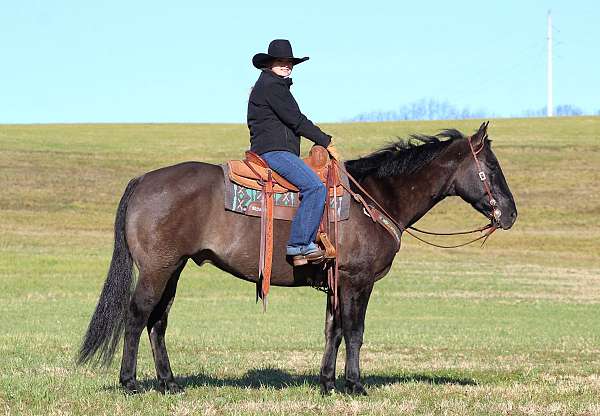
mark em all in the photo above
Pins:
pixel 185 61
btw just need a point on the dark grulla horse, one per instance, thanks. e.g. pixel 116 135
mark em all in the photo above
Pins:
pixel 170 215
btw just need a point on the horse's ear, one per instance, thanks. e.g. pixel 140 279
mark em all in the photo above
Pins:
pixel 481 134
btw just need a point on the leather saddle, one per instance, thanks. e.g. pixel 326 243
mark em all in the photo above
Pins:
pixel 253 171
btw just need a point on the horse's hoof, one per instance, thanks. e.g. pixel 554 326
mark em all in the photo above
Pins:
pixel 169 387
pixel 327 389
pixel 355 389
pixel 131 387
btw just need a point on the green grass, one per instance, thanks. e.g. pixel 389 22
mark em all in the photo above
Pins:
pixel 510 329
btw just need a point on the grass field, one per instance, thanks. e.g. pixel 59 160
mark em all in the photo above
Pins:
pixel 510 329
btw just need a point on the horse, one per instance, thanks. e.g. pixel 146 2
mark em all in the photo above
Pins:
pixel 168 216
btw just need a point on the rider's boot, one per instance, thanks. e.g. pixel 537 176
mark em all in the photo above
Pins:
pixel 307 254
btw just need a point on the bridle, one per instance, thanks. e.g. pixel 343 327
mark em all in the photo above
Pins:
pixel 379 214
pixel 495 211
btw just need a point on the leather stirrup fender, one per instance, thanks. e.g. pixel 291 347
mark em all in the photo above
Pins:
pixel 265 262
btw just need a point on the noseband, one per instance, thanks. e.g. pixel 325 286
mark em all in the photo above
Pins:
pixel 495 211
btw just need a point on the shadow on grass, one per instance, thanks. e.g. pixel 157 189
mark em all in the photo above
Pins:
pixel 280 379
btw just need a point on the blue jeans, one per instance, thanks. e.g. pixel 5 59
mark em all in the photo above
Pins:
pixel 313 193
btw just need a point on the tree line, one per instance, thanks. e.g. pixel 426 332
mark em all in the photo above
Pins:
pixel 432 109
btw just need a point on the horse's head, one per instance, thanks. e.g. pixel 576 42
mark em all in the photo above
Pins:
pixel 479 181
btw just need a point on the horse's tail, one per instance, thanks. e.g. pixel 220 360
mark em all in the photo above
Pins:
pixel 108 321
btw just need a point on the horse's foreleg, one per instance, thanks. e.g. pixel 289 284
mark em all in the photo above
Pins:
pixel 157 326
pixel 353 303
pixel 333 338
pixel 146 296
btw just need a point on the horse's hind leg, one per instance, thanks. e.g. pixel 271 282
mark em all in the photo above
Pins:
pixel 333 338
pixel 157 326
pixel 147 294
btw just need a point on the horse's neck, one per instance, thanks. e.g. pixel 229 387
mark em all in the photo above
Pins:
pixel 408 198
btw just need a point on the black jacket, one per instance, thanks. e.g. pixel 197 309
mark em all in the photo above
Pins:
pixel 275 120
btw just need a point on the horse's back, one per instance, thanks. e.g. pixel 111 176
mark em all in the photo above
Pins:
pixel 182 173
pixel 170 188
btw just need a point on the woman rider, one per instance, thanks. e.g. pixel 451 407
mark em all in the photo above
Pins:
pixel 276 124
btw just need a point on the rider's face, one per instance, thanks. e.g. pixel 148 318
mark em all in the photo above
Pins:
pixel 282 67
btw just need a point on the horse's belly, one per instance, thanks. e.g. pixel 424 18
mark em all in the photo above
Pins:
pixel 244 264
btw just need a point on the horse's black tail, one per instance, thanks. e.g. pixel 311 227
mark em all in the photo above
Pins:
pixel 108 321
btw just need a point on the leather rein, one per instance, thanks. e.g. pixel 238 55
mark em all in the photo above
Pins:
pixel 487 230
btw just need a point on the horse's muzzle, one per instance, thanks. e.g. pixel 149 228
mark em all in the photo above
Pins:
pixel 505 221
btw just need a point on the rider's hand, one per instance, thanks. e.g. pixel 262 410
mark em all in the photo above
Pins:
pixel 333 151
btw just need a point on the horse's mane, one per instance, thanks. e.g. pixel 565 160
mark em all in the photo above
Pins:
pixel 404 156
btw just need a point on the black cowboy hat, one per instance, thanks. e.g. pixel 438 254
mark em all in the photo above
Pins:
pixel 278 49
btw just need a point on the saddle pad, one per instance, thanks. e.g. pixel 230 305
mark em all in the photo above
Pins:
pixel 247 201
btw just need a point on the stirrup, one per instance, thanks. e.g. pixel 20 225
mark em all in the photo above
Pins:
pixel 303 259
